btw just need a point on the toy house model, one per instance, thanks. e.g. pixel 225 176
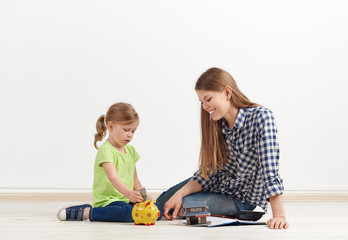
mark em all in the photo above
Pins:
pixel 196 213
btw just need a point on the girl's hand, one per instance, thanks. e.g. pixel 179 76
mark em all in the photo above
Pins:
pixel 277 223
pixel 174 202
pixel 135 196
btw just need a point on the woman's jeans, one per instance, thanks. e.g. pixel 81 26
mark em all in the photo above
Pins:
pixel 116 212
pixel 218 203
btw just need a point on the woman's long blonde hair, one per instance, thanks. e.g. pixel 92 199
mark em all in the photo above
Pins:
pixel 213 154
pixel 117 113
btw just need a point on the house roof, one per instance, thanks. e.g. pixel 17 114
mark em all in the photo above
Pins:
pixel 195 204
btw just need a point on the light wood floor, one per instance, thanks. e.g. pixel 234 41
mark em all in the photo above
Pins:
pixel 37 220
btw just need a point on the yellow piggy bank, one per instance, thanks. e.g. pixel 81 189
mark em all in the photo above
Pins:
pixel 145 213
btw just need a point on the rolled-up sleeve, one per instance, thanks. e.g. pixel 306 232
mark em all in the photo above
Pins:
pixel 268 149
pixel 205 184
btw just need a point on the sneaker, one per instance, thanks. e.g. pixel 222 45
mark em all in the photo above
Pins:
pixel 72 213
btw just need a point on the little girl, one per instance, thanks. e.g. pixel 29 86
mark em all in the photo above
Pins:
pixel 115 176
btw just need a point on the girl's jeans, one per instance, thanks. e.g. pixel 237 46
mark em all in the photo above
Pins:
pixel 218 203
pixel 116 212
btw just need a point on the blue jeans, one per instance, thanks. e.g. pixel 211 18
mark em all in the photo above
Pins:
pixel 218 203
pixel 116 212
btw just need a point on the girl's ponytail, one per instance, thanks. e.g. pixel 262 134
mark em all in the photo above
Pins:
pixel 101 130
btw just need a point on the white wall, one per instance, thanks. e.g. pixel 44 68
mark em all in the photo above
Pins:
pixel 63 63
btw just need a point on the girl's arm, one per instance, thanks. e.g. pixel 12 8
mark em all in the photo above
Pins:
pixel 137 183
pixel 133 196
pixel 175 201
pixel 278 221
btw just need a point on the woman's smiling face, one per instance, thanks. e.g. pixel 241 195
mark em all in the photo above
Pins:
pixel 217 104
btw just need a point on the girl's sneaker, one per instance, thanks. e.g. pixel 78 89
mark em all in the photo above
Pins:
pixel 72 213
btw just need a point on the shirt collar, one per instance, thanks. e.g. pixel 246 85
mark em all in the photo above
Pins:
pixel 237 124
pixel 224 126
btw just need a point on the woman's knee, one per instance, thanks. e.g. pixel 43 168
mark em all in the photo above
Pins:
pixel 166 195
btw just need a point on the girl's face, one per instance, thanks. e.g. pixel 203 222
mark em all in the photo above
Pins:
pixel 217 104
pixel 121 134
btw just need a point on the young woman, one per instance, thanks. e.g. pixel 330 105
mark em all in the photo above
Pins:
pixel 239 154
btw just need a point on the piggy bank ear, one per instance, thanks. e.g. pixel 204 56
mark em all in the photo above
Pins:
pixel 147 203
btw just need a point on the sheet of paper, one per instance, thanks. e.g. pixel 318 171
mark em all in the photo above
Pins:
pixel 218 221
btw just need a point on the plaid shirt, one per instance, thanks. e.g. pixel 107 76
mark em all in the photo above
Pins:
pixel 251 173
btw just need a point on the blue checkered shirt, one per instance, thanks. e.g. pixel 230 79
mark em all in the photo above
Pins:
pixel 251 173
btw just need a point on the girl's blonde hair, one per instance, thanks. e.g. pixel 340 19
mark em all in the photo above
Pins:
pixel 117 113
pixel 213 154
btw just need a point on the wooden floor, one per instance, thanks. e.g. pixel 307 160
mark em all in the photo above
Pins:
pixel 37 220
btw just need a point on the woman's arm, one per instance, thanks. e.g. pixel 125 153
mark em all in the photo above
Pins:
pixel 175 201
pixel 268 149
pixel 279 220
pixel 133 196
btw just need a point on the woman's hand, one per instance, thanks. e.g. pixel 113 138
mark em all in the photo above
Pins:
pixel 277 223
pixel 135 196
pixel 174 202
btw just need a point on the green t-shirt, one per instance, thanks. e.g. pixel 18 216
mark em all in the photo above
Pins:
pixel 103 191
